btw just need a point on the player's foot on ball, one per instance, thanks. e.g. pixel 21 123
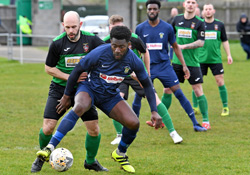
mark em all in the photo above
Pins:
pixel 117 139
pixel 149 123
pixel 176 137
pixel 123 160
pixel 37 165
pixel 196 110
pixel 199 128
pixel 225 112
pixel 96 166
pixel 45 153
pixel 206 125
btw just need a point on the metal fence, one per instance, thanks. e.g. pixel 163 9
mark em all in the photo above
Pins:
pixel 21 52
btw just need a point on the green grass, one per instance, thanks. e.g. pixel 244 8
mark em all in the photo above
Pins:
pixel 223 150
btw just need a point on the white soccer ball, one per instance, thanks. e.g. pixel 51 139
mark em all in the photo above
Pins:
pixel 61 159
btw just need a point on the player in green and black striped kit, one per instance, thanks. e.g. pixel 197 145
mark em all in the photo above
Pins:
pixel 210 54
pixel 64 53
pixel 190 35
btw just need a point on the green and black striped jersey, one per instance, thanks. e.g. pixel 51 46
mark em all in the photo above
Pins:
pixel 64 54
pixel 188 31
pixel 215 34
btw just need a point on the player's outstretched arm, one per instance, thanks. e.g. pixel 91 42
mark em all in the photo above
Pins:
pixel 193 45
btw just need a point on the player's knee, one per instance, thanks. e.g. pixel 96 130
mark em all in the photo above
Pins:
pixel 48 129
pixel 134 125
pixel 80 108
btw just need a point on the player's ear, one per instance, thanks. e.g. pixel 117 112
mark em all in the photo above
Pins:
pixel 81 24
pixel 63 24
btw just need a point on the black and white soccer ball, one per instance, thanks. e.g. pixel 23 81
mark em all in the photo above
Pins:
pixel 61 159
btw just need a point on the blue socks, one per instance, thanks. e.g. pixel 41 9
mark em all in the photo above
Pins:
pixel 186 105
pixel 67 123
pixel 136 106
pixel 128 137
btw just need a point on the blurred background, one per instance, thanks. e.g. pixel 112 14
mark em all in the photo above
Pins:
pixel 45 16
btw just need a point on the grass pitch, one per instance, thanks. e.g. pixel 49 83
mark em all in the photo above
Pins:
pixel 222 150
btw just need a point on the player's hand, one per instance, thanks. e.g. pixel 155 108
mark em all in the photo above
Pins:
pixel 156 120
pixel 186 72
pixel 82 77
pixel 229 60
pixel 64 104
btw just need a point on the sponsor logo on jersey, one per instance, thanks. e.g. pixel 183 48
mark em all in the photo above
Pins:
pixel 210 35
pixel 126 69
pixel 184 33
pixel 111 79
pixel 154 46
pixel 72 61
pixel 216 27
pixel 180 23
pixel 86 47
pixel 192 25
pixel 145 35
pixel 161 35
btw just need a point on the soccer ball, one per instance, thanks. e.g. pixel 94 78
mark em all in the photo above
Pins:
pixel 61 159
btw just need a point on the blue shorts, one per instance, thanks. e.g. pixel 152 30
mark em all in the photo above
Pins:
pixel 102 101
pixel 165 73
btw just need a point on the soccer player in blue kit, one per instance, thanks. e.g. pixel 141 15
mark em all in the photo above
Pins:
pixel 156 34
pixel 107 66
pixel 139 48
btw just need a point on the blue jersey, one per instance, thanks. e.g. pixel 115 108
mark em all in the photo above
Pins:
pixel 106 73
pixel 156 39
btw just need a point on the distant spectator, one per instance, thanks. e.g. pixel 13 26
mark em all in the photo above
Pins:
pixel 243 26
pixel 173 13
pixel 25 24
pixel 198 12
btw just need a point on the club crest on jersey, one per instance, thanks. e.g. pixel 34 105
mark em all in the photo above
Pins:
pixel 126 69
pixel 86 47
pixel 161 35
pixel 192 25
pixel 216 27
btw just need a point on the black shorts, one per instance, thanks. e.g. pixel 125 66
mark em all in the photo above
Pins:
pixel 124 87
pixel 195 74
pixel 56 92
pixel 216 69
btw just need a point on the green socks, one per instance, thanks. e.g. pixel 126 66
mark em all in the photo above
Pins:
pixel 92 145
pixel 166 99
pixel 163 112
pixel 118 126
pixel 223 95
pixel 43 139
pixel 202 101
pixel 194 100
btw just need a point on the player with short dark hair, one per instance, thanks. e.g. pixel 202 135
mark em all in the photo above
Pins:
pixel 139 47
pixel 65 52
pixel 210 54
pixel 190 35
pixel 157 34
pixel 107 65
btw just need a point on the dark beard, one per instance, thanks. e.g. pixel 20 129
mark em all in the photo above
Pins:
pixel 154 18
